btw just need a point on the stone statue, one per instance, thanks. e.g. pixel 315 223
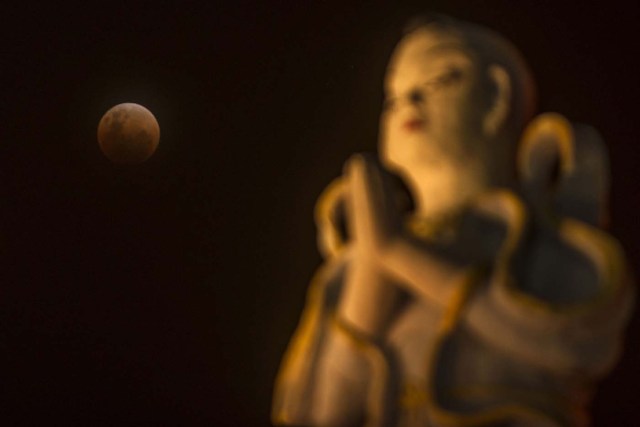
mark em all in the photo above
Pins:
pixel 467 277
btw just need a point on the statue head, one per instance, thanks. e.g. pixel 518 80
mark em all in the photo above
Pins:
pixel 457 98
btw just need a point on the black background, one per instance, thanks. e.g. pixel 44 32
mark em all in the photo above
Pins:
pixel 165 293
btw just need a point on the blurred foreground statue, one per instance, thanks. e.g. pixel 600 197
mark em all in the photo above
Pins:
pixel 468 280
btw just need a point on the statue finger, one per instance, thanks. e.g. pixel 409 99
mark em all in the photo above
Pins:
pixel 370 207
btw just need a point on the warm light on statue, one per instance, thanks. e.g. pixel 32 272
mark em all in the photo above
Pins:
pixel 489 295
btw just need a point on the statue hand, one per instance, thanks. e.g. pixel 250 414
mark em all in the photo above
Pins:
pixel 372 214
pixel 384 251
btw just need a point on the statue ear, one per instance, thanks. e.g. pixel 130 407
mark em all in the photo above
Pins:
pixel 499 108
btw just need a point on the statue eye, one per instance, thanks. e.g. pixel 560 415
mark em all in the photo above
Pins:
pixel 450 77
pixel 446 79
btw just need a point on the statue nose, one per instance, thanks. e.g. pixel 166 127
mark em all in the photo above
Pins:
pixel 416 97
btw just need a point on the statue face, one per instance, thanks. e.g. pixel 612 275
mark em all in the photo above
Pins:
pixel 431 129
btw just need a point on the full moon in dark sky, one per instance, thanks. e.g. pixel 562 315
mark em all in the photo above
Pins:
pixel 128 133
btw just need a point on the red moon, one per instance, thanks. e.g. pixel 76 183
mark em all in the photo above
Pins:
pixel 128 133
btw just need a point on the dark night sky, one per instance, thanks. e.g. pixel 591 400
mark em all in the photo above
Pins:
pixel 165 294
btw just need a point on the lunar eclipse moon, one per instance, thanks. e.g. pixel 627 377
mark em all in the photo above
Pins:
pixel 128 133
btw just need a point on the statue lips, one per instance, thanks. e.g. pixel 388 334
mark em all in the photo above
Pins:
pixel 414 124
